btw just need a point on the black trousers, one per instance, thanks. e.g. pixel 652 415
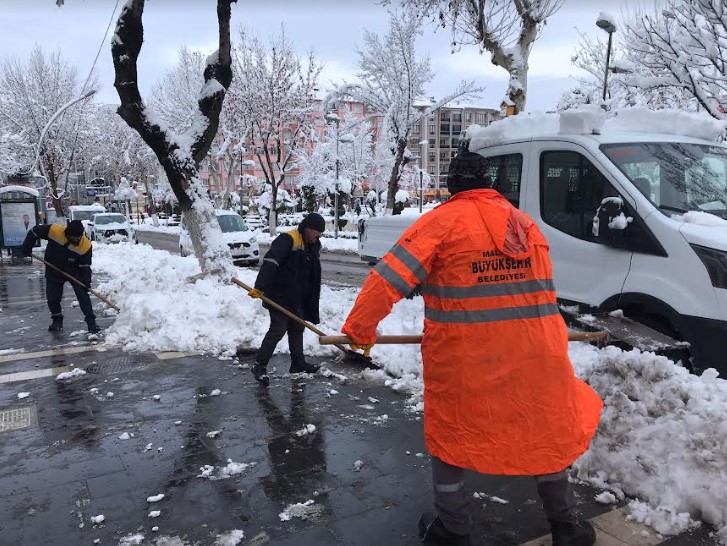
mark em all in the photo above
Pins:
pixel 279 325
pixel 54 295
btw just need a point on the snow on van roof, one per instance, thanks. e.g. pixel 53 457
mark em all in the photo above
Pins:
pixel 592 119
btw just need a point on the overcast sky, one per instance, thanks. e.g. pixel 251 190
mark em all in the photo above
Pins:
pixel 331 28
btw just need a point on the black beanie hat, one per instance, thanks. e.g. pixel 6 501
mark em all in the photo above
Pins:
pixel 468 171
pixel 313 221
pixel 74 228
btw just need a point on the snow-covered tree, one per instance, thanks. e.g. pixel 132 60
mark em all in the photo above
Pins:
pixel 179 153
pixel 174 97
pixel 32 92
pixel 12 145
pixel 623 87
pixel 273 95
pixel 317 162
pixel 174 100
pixel 507 29
pixel 684 45
pixel 391 79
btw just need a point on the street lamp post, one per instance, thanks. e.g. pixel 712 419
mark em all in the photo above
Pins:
pixel 422 151
pixel 604 22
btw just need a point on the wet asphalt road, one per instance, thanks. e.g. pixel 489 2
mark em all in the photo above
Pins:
pixel 337 266
pixel 69 463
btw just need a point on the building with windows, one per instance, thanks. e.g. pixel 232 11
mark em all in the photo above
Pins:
pixel 441 131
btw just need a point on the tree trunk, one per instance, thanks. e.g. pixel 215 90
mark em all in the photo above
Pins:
pixel 517 88
pixel 272 217
pixel 180 163
pixel 395 176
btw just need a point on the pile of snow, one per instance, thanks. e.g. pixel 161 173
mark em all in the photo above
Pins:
pixel 700 218
pixel 661 437
pixel 161 311
pixel 668 121
pixel 522 126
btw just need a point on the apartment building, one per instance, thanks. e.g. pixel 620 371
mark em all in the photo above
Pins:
pixel 441 131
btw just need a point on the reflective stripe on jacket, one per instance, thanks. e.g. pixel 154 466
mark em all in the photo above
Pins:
pixel 500 393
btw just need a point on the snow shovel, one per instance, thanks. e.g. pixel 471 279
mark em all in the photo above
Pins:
pixel 415 339
pixel 75 280
pixel 353 355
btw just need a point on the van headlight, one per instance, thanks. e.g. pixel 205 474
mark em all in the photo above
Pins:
pixel 716 263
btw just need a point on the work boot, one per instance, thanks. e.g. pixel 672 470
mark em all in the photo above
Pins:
pixel 432 531
pixel 260 373
pixel 302 367
pixel 93 328
pixel 56 325
pixel 572 533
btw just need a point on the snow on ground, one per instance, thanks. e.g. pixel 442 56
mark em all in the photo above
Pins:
pixel 662 437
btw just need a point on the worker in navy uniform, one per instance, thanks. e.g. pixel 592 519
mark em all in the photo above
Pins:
pixel 70 251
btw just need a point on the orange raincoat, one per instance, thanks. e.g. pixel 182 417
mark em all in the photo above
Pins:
pixel 500 394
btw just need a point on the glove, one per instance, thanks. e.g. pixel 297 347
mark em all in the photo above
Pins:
pixel 255 293
pixel 365 348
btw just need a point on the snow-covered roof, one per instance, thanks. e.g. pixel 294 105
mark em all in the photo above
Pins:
pixel 23 189
pixel 631 124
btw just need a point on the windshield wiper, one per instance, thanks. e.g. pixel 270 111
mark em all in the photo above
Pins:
pixel 673 209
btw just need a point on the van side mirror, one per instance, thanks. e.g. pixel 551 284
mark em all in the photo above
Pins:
pixel 610 222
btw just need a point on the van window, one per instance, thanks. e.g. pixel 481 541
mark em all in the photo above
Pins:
pixel 675 176
pixel 505 173
pixel 572 189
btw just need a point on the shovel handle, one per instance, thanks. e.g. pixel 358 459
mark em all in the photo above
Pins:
pixel 381 340
pixel 417 339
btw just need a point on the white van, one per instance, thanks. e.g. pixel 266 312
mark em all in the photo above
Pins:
pixel 241 239
pixel 85 213
pixel 661 256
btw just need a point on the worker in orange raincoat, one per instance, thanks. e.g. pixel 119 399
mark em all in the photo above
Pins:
pixel 500 393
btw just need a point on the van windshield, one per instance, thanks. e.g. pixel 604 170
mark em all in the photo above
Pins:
pixel 231 222
pixel 675 176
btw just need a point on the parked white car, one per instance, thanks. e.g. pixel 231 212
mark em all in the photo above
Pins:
pixel 243 244
pixel 111 227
